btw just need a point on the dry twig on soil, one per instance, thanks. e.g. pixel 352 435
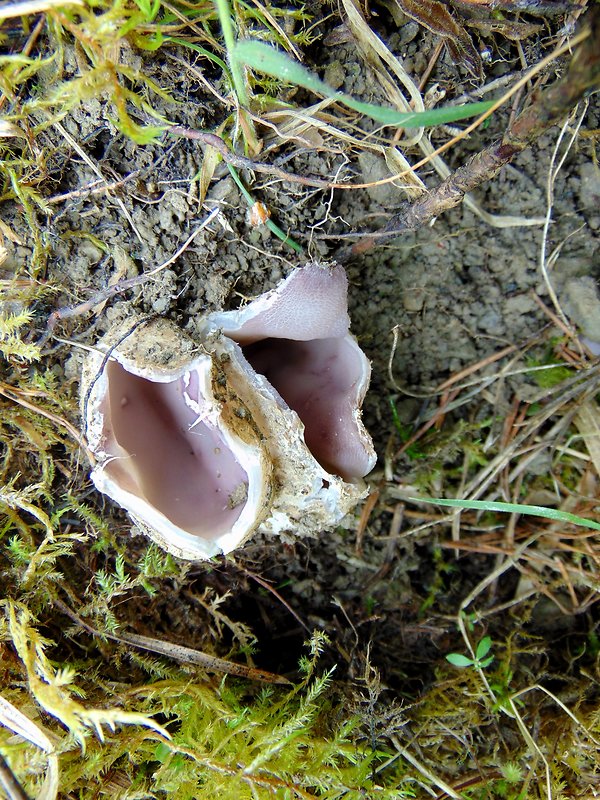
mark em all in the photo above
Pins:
pixel 551 106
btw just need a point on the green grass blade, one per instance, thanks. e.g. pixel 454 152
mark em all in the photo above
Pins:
pixel 285 237
pixel 513 508
pixel 263 58
pixel 202 50
pixel 272 226
pixel 237 74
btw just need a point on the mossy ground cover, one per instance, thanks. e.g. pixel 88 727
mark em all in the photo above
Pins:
pixel 419 651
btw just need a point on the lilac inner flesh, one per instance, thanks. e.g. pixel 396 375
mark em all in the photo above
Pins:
pixel 320 380
pixel 181 466
pixel 312 303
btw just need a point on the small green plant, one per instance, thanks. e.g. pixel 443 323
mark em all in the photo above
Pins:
pixel 237 72
pixel 266 220
pixel 549 371
pixel 269 61
pixel 12 345
pixel 413 451
pixel 481 660
pixel 149 8
pixel 513 508
pixel 512 772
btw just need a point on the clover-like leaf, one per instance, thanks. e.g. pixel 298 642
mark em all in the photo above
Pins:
pixel 483 648
pixel 458 660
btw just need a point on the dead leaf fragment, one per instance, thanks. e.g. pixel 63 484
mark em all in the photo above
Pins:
pixel 516 31
pixel 436 18
pixel 341 34
pixel 6 230
pixel 541 8
pixel 587 421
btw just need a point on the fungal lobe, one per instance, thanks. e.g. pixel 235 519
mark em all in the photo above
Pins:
pixel 257 428
pixel 298 338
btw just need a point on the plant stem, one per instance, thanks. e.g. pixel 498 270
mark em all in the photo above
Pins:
pixel 549 108
pixel 272 226
pixel 237 74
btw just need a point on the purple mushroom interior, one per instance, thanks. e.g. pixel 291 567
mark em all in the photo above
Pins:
pixel 178 462
pixel 320 380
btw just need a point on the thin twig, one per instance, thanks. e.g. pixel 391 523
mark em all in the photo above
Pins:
pixel 18 396
pixel 177 651
pixel 121 286
pixel 8 781
pixel 241 162
pixel 424 770
pixel 266 585
pixel 97 171
pixel 553 172
pixel 583 76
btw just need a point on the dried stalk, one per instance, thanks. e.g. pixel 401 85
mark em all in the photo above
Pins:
pixel 550 108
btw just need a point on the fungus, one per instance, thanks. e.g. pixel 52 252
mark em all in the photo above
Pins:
pixel 261 430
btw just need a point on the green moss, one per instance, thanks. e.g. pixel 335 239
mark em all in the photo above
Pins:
pixel 553 372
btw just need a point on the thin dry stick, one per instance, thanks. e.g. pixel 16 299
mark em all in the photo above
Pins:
pixel 572 389
pixel 121 286
pixel 97 171
pixel 266 585
pixel 552 316
pixel 485 362
pixel 580 37
pixel 363 521
pixel 552 105
pixel 8 781
pixel 444 406
pixel 18 396
pixel 555 168
pixel 177 651
pixel 241 162
pixel 95 187
pixel 577 390
pixel 424 770
pixel 100 186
